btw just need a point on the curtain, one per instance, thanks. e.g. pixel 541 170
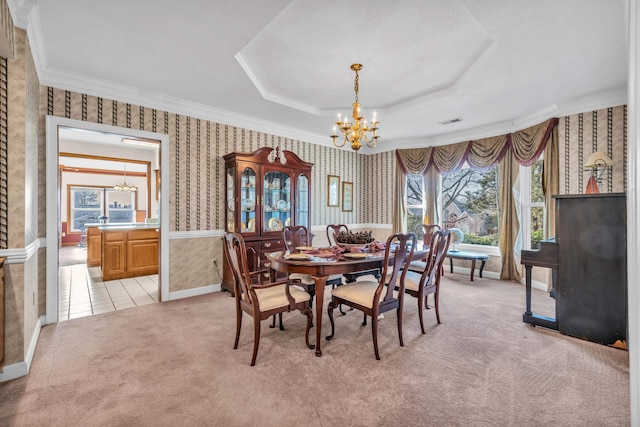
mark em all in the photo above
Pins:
pixel 399 205
pixel 507 151
pixel 433 188
pixel 551 187
pixel 551 181
pixel 508 170
pixel 415 162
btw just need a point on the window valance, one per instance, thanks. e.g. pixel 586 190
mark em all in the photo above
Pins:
pixel 526 146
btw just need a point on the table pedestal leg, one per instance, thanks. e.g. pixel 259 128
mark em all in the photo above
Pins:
pixel 320 282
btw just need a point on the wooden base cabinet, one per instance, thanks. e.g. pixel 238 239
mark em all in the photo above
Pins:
pixel 94 247
pixel 129 253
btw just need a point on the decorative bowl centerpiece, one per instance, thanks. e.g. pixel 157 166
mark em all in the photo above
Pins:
pixel 354 241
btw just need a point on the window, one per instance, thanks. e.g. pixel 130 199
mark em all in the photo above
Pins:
pixel 532 210
pixel 415 200
pixel 86 206
pixel 470 203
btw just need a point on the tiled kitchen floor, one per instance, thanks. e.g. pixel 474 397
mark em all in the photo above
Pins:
pixel 83 293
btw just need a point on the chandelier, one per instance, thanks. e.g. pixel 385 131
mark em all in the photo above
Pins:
pixel 124 186
pixel 358 131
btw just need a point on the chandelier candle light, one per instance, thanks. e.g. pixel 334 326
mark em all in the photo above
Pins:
pixel 124 186
pixel 358 130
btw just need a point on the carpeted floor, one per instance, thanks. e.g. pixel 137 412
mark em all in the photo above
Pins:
pixel 173 364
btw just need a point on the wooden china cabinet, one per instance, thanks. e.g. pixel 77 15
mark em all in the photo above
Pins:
pixel 265 191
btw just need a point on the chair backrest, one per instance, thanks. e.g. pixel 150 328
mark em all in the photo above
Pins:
pixel 333 230
pixel 237 256
pixel 438 251
pixel 426 231
pixel 295 235
pixel 403 245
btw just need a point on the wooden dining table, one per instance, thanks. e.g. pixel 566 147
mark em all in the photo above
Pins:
pixel 320 269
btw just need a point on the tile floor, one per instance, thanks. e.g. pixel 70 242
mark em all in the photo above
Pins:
pixel 83 293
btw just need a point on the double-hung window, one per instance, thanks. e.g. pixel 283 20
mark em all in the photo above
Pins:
pixel 470 203
pixel 415 201
pixel 532 210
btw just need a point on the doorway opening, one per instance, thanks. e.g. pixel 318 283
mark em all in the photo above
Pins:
pixel 102 176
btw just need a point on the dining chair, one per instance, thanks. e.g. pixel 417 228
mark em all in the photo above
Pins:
pixel 295 236
pixel 376 297
pixel 260 299
pixel 421 285
pixel 333 230
pixel 425 231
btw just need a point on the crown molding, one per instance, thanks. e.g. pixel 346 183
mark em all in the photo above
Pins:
pixel 587 103
pixel 20 11
pixel 81 83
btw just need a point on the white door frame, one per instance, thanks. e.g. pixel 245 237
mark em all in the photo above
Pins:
pixel 53 222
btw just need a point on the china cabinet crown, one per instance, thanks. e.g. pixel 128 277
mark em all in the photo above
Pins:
pixel 265 191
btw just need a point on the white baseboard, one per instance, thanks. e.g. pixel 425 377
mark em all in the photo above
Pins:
pixel 194 292
pixel 20 369
pixel 492 275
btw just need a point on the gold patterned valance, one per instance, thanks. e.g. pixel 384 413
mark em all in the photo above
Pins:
pixel 526 146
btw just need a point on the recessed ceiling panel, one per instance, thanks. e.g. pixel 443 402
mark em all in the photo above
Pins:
pixel 405 56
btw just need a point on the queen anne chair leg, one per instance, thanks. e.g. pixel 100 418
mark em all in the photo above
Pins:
pixel 309 315
pixel 399 314
pixel 256 338
pixel 374 332
pixel 238 326
pixel 421 308
pixel 437 309
pixel 330 308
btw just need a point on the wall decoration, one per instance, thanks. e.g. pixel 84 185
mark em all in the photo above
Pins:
pixel 347 196
pixel 333 190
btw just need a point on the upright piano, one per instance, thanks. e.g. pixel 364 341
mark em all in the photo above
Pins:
pixel 588 258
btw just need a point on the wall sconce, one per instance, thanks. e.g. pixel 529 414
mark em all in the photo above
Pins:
pixel 596 163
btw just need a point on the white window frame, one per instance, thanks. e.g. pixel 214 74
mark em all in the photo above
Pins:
pixel 422 206
pixel 73 209
pixel 471 247
pixel 526 205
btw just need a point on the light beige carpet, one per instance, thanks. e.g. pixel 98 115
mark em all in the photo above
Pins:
pixel 173 364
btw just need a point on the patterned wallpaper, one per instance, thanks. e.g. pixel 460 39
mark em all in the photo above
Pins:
pixel 196 171
pixel 580 135
pixel 4 151
pixel 379 191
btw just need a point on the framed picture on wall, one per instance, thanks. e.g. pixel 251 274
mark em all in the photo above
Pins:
pixel 347 196
pixel 333 190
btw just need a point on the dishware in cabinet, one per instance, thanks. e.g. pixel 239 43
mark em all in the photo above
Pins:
pixel 265 191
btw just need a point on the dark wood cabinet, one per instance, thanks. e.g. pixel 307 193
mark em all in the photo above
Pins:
pixel 591 299
pixel 265 191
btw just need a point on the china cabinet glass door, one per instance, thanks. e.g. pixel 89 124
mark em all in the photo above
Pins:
pixel 277 201
pixel 248 201
pixel 302 201
pixel 231 196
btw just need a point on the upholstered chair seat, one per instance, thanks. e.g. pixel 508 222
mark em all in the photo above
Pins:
pixel 360 292
pixel 276 297
pixel 417 266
